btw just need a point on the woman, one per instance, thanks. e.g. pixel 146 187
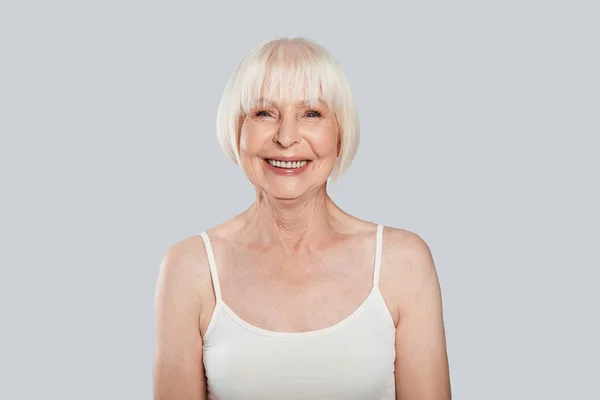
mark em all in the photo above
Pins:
pixel 294 298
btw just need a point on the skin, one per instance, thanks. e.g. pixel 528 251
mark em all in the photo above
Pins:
pixel 295 245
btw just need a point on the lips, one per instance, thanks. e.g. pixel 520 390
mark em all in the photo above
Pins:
pixel 287 164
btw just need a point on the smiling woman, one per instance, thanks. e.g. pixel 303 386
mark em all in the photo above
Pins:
pixel 283 71
pixel 296 141
pixel 295 298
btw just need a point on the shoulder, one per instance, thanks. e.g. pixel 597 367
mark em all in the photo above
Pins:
pixel 406 247
pixel 184 256
pixel 408 270
pixel 183 269
pixel 178 304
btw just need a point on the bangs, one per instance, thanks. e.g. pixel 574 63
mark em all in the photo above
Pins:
pixel 284 74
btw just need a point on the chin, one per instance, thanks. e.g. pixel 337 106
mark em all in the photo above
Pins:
pixel 287 190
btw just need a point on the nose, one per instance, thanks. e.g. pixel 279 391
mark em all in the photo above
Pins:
pixel 287 135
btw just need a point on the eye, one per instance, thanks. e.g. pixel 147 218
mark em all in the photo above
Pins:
pixel 313 114
pixel 262 113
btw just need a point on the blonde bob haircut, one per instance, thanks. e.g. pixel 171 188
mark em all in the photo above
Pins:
pixel 284 70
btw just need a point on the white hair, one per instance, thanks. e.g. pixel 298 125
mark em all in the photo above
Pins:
pixel 280 70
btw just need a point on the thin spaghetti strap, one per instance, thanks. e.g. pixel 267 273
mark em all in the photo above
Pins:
pixel 378 251
pixel 212 265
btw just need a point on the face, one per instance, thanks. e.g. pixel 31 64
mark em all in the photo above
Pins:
pixel 289 150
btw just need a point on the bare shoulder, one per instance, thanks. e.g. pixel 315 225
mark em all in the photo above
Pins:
pixel 407 248
pixel 183 270
pixel 413 294
pixel 408 270
pixel 177 305
pixel 184 259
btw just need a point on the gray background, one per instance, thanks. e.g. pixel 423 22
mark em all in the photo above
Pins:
pixel 480 125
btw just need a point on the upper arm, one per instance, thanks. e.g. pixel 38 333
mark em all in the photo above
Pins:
pixel 421 358
pixel 178 368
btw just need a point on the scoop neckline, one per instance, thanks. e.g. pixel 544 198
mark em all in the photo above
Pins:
pixel 267 332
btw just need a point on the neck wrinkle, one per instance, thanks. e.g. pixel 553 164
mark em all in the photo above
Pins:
pixel 292 225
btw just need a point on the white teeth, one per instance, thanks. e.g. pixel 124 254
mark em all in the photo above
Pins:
pixel 289 164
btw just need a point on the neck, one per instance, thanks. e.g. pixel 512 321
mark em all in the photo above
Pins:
pixel 292 224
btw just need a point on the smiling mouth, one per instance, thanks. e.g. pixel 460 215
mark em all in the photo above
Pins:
pixel 287 164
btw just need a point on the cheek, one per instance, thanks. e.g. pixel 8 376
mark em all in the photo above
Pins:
pixel 245 140
pixel 250 140
pixel 324 141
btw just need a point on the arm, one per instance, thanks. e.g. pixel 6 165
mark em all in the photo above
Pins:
pixel 178 367
pixel 422 371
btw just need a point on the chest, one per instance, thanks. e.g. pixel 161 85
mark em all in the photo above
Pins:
pixel 295 292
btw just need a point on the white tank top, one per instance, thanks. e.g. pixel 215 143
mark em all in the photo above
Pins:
pixel 351 360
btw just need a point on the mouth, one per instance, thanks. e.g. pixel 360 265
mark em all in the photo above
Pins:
pixel 284 164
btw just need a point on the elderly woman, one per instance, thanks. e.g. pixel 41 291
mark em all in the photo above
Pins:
pixel 294 298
